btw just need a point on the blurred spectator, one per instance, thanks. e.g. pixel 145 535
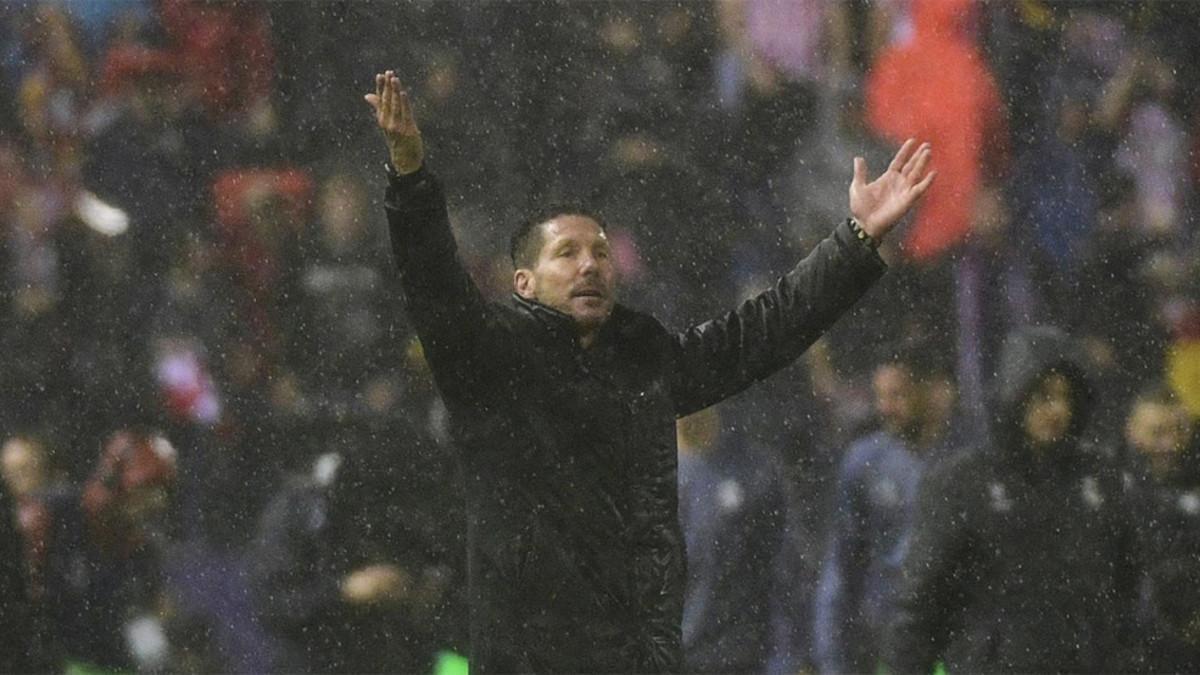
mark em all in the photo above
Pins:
pixel 34 336
pixel 96 557
pixel 794 39
pixel 126 505
pixel 227 53
pixel 1183 360
pixel 52 91
pixel 1140 108
pixel 1121 268
pixel 939 86
pixel 972 595
pixel 357 566
pixel 1164 482
pixel 40 496
pixel 1056 193
pixel 161 261
pixel 1158 432
pixel 103 22
pixel 151 152
pixel 19 641
pixel 262 214
pixel 734 510
pixel 348 304
pixel 871 522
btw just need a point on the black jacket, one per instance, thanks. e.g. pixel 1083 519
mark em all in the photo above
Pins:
pixel 574 550
pixel 1020 562
pixel 1167 512
pixel 361 508
pixel 17 637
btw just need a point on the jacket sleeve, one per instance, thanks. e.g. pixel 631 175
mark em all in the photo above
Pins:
pixel 456 325
pixel 931 596
pixel 840 583
pixel 721 357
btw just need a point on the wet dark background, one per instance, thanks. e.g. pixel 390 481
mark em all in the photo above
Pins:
pixel 194 254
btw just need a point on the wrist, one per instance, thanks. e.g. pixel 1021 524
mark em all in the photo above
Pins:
pixel 860 233
pixel 398 177
pixel 403 168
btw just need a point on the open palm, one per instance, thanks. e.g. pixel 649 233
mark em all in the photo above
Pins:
pixel 878 205
pixel 394 114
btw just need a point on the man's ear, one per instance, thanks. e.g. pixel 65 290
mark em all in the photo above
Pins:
pixel 524 283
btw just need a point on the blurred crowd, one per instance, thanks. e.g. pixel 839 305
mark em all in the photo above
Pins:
pixel 221 447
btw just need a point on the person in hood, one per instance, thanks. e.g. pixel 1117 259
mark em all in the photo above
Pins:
pixel 1023 556
pixel 562 405
pixel 938 85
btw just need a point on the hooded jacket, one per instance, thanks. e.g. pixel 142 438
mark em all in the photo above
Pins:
pixel 938 86
pixel 575 556
pixel 1021 560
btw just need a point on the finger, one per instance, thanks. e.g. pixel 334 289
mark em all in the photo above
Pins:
pixel 388 97
pixel 406 114
pixel 387 109
pixel 379 84
pixel 398 95
pixel 902 155
pixel 860 171
pixel 920 188
pixel 373 99
pixel 916 166
pixel 918 157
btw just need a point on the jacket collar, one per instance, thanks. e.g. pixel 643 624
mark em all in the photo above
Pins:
pixel 561 326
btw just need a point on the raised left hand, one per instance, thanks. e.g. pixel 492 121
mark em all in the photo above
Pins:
pixel 881 203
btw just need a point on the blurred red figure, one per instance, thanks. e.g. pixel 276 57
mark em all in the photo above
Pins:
pixel 130 490
pixel 225 48
pixel 938 86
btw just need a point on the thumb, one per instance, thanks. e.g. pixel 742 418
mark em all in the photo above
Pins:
pixel 860 171
pixel 373 99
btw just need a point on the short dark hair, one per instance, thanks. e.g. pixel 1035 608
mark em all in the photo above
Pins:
pixel 526 240
pixel 911 355
pixel 1156 392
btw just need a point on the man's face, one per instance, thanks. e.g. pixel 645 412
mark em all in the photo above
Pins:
pixel 1048 410
pixel 574 271
pixel 1159 433
pixel 897 401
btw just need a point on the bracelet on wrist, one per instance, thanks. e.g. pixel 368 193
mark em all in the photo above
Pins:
pixel 861 234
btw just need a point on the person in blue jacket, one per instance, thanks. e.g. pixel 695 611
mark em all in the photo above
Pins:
pixel 873 503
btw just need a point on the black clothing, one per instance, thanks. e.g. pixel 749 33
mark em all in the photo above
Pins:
pixel 16 626
pixel 575 555
pixel 1168 515
pixel 1020 561
pixel 354 511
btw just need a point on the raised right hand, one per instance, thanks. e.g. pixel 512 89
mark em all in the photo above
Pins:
pixel 393 112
